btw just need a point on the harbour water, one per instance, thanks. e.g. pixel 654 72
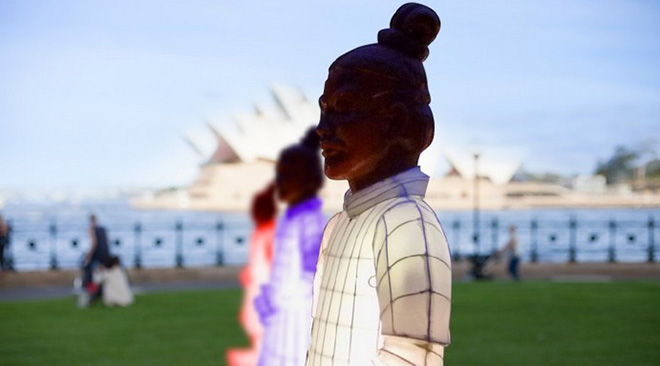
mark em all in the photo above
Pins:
pixel 55 235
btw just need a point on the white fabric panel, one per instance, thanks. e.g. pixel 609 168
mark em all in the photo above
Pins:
pixel 383 283
pixel 286 336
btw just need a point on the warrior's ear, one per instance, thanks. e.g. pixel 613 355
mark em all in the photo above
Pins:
pixel 397 118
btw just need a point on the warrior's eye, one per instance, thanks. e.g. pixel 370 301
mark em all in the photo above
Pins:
pixel 344 104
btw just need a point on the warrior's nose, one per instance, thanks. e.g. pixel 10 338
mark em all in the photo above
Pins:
pixel 323 128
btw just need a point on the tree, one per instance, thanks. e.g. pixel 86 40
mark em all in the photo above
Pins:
pixel 653 169
pixel 620 167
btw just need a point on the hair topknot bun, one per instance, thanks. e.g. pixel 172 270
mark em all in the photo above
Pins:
pixel 412 28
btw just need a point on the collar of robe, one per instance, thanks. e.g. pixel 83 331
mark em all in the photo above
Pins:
pixel 411 182
pixel 310 204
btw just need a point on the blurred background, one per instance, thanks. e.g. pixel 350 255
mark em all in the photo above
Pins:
pixel 160 114
pixel 165 117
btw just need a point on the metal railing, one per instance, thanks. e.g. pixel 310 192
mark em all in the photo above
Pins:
pixel 138 245
pixel 175 244
pixel 570 240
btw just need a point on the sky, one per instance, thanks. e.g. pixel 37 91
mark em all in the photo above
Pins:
pixel 99 94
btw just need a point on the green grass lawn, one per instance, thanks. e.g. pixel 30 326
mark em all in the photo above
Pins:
pixel 495 323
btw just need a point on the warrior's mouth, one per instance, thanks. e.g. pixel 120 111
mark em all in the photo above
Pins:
pixel 331 153
pixel 329 144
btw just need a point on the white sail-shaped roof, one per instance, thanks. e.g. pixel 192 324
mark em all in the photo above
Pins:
pixel 263 133
pixel 201 142
pixel 495 163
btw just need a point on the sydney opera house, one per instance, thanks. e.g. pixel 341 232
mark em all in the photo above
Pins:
pixel 241 162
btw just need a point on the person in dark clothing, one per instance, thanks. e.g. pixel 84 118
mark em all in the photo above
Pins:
pixel 4 241
pixel 98 253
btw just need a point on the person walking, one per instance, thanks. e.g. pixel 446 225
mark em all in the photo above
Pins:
pixel 511 248
pixel 4 241
pixel 98 253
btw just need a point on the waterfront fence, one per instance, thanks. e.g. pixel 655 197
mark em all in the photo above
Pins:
pixel 137 245
pixel 176 244
pixel 570 240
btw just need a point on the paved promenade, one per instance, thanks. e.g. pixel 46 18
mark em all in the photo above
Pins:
pixel 49 284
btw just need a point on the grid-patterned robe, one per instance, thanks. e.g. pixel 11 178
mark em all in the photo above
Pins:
pixel 296 249
pixel 382 291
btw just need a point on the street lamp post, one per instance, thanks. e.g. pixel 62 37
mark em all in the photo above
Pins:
pixel 475 236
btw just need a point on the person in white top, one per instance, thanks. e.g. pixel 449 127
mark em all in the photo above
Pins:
pixel 511 248
pixel 116 289
pixel 382 290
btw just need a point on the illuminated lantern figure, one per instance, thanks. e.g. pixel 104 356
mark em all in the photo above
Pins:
pixel 382 291
pixel 255 274
pixel 285 302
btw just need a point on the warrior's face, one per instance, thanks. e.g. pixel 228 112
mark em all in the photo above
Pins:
pixel 353 128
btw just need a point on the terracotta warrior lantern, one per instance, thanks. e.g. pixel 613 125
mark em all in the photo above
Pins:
pixel 382 290
pixel 375 114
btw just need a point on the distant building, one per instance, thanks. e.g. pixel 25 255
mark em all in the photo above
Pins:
pixel 261 135
pixel 242 161
pixel 239 161
pixel 496 164
pixel 589 184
